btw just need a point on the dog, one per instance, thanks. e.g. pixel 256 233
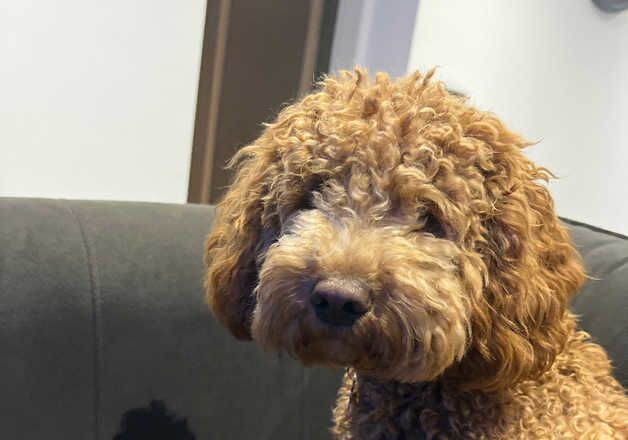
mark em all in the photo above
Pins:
pixel 390 228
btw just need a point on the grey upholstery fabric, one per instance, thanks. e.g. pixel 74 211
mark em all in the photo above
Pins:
pixel 602 303
pixel 101 311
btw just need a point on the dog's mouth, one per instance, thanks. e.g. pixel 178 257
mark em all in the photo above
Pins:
pixel 371 356
pixel 305 337
pixel 378 346
pixel 319 343
pixel 327 352
pixel 360 346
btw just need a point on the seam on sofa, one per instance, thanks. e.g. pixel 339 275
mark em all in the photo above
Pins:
pixel 92 270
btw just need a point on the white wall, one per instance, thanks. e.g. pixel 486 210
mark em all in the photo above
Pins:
pixel 97 98
pixel 555 71
pixel 372 34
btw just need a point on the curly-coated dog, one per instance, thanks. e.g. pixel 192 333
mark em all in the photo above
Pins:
pixel 392 229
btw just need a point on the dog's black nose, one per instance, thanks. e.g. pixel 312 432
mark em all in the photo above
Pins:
pixel 340 302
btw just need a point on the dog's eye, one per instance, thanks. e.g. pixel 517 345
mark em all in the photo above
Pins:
pixel 307 203
pixel 307 199
pixel 429 224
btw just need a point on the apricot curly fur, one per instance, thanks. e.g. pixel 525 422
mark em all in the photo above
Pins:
pixel 432 204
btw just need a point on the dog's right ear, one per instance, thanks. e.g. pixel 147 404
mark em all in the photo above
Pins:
pixel 230 248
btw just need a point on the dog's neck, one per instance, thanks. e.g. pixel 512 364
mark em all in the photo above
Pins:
pixel 361 385
pixel 368 408
pixel 394 408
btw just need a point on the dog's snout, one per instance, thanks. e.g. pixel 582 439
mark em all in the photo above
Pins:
pixel 340 302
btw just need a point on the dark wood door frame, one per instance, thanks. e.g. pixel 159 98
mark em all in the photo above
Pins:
pixel 256 56
pixel 212 59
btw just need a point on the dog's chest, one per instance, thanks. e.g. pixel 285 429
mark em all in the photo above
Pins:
pixel 373 411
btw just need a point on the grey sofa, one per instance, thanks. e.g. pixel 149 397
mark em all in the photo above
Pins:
pixel 101 312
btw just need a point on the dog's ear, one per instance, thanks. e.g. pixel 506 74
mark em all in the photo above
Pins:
pixel 230 249
pixel 521 321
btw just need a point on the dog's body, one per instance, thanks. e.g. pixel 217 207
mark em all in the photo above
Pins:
pixel 577 398
pixel 392 229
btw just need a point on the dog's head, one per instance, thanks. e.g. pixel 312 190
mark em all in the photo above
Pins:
pixel 390 227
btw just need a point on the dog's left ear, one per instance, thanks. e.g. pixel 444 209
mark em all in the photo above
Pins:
pixel 230 249
pixel 520 322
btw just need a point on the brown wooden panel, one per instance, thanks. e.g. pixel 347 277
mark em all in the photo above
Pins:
pixel 214 43
pixel 256 57
pixel 262 71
